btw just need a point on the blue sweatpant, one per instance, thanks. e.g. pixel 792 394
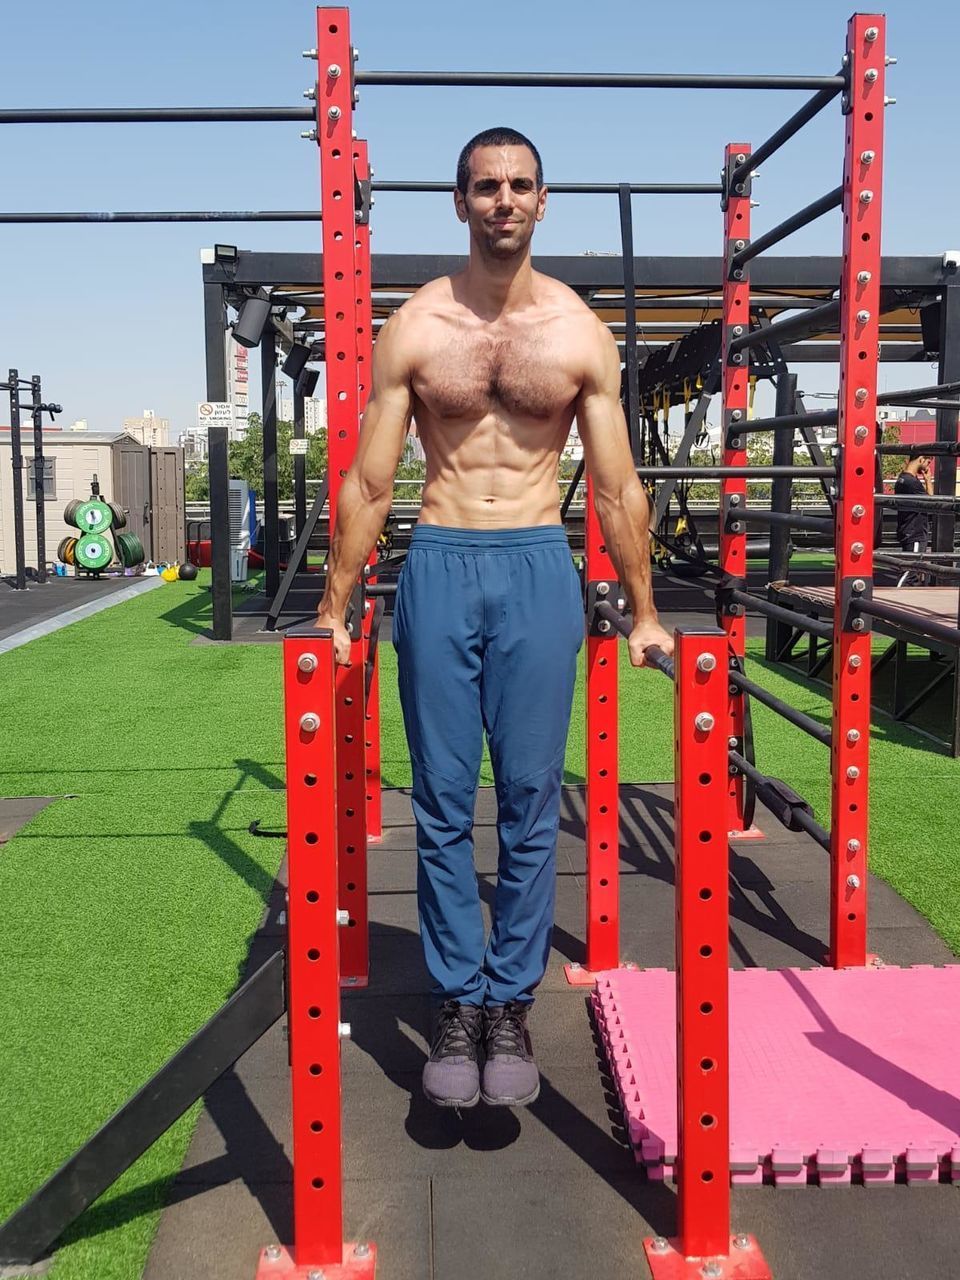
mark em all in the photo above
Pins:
pixel 487 627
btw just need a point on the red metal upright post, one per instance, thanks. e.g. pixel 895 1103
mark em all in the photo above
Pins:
pixel 314 923
pixel 341 277
pixel 733 492
pixel 859 335
pixel 704 1245
pixel 364 305
pixel 603 771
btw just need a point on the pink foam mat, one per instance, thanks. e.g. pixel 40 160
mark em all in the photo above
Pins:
pixel 835 1075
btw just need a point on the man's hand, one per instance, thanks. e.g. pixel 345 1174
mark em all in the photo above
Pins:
pixel 645 634
pixel 341 636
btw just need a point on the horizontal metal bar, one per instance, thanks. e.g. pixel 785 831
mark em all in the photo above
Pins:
pixel 790 714
pixel 907 619
pixel 623 623
pixel 723 473
pixel 832 200
pixel 154 115
pixel 933 500
pixel 814 321
pixel 929 448
pixel 828 417
pixel 786 131
pixel 803 820
pixel 792 618
pixel 752 515
pixel 576 188
pixel 590 80
pixel 928 566
pixel 381 588
pixel 195 215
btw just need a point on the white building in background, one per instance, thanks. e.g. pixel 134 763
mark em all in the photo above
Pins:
pixel 573 448
pixel 194 444
pixel 238 386
pixel 79 425
pixel 314 413
pixel 148 429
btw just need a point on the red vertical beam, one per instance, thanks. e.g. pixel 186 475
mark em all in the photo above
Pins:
pixel 733 492
pixel 341 277
pixel 700 841
pixel 703 1245
pixel 313 942
pixel 602 791
pixel 859 335
pixel 364 306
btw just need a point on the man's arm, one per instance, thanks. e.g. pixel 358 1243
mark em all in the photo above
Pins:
pixel 363 502
pixel 621 501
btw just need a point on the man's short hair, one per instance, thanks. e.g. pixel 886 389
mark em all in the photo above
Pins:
pixel 916 453
pixel 499 137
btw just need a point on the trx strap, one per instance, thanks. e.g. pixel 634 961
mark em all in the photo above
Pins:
pixel 749 789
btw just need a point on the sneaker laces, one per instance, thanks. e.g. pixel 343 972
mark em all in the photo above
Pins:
pixel 458 1031
pixel 506 1027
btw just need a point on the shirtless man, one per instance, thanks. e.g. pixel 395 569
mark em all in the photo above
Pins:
pixel 495 363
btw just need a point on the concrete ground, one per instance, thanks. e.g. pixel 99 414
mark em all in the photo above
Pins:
pixel 552 1191
pixel 40 609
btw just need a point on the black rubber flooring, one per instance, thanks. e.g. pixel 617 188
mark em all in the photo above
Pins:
pixel 551 1192
pixel 38 603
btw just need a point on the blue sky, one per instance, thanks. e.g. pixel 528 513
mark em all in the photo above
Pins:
pixel 111 315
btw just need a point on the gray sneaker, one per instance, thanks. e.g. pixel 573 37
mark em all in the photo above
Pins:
pixel 510 1076
pixel 451 1075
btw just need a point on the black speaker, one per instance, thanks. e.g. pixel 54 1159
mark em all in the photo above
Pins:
pixel 307 382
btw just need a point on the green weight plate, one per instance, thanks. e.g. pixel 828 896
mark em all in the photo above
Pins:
pixel 70 511
pixel 93 551
pixel 93 516
pixel 119 515
pixel 131 550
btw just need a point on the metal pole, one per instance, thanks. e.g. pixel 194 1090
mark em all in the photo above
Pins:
pixel 735 366
pixel 214 324
pixel 589 80
pixel 630 313
pixel 339 155
pixel 17 463
pixel 299 463
pixel 781 495
pixel 945 476
pixel 859 310
pixel 271 491
pixel 38 470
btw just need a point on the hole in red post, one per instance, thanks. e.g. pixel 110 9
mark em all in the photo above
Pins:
pixel 351 887
pixel 603 844
pixel 317 1184
pixel 315 1068
pixel 868 115
pixel 706 951
pixel 311 837
pixel 316 1126
pixel 604 883
pixel 705 778
pixel 706 1176
pixel 313 1011
pixel 707 1064
pixel 706 1007
pixel 603 919
pixel 313 954
pixel 310 779
pixel 852 916
pixel 708 1121
pixel 706 895
pixel 313 896
pixel 704 837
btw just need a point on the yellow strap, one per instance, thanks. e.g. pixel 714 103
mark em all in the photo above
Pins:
pixel 686 394
pixel 752 393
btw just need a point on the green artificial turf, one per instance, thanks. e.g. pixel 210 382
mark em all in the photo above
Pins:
pixel 128 907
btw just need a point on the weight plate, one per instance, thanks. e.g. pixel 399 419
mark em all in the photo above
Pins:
pixel 70 511
pixel 69 550
pixel 93 551
pixel 93 516
pixel 119 515
pixel 130 549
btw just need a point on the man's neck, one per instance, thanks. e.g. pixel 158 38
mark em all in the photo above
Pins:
pixel 493 286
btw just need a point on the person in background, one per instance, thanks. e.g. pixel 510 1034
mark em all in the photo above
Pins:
pixel 913 523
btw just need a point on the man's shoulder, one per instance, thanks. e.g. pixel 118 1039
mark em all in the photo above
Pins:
pixel 907 483
pixel 556 294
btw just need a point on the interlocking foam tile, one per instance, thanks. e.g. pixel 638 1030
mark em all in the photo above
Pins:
pixel 835 1075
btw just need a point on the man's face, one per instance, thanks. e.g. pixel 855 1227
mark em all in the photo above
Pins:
pixel 502 205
